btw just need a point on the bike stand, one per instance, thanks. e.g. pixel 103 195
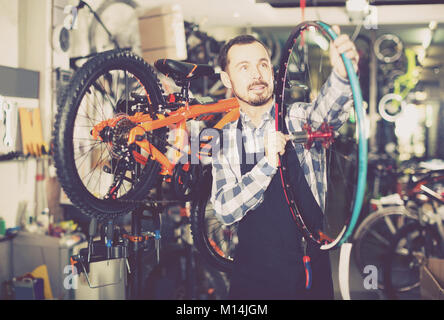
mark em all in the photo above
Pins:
pixel 138 241
pixel 121 250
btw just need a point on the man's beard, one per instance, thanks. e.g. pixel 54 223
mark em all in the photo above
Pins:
pixel 259 100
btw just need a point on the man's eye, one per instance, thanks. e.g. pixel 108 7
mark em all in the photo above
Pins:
pixel 243 68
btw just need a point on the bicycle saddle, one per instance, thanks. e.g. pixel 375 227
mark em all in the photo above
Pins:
pixel 183 71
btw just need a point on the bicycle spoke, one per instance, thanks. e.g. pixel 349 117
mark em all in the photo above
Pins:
pixel 92 170
pixel 80 148
pixel 380 238
pixel 390 225
pixel 105 94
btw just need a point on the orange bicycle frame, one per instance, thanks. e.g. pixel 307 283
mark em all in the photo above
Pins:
pixel 176 118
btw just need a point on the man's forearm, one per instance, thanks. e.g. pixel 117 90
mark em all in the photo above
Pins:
pixel 233 198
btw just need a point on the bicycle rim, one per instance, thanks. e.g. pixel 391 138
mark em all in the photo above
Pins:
pixel 371 241
pixel 409 249
pixel 300 79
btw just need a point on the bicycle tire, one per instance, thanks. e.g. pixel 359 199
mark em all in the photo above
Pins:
pixel 92 31
pixel 212 248
pixel 372 237
pixel 64 139
pixel 425 242
pixel 284 72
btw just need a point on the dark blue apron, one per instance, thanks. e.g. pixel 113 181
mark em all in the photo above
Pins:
pixel 268 261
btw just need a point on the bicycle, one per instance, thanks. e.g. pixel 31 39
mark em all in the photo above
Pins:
pixel 418 240
pixel 123 34
pixel 373 237
pixel 113 145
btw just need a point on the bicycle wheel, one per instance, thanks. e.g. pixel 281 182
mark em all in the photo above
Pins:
pixel 373 236
pixel 408 251
pixel 344 156
pixel 124 29
pixel 103 175
pixel 215 241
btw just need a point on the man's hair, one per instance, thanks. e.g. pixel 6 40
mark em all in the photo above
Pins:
pixel 242 39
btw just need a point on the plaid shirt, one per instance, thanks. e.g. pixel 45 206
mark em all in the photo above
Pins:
pixel 233 194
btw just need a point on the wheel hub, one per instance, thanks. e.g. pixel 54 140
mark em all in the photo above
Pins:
pixel 120 136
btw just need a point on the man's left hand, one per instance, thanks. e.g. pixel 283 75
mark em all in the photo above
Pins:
pixel 342 44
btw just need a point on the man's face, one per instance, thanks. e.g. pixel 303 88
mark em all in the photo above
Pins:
pixel 250 73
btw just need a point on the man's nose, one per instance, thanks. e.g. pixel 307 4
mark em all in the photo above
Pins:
pixel 256 73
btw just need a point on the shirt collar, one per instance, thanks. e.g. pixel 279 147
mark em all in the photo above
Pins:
pixel 267 116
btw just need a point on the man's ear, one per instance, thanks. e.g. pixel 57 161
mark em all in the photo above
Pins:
pixel 225 78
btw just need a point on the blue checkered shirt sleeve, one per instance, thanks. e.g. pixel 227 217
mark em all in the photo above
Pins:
pixel 232 197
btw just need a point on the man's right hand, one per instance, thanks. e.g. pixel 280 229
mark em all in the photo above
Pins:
pixel 275 142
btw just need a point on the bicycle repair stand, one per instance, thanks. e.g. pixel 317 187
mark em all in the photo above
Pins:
pixel 108 261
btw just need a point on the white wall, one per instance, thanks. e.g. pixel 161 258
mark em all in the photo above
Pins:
pixel 9 33
pixel 25 33
pixel 35 51
pixel 17 190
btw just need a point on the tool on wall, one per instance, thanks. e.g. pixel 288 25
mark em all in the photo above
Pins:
pixel 8 121
pixel 32 137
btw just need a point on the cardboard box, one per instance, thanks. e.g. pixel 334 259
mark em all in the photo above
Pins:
pixel 432 279
pixel 162 33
